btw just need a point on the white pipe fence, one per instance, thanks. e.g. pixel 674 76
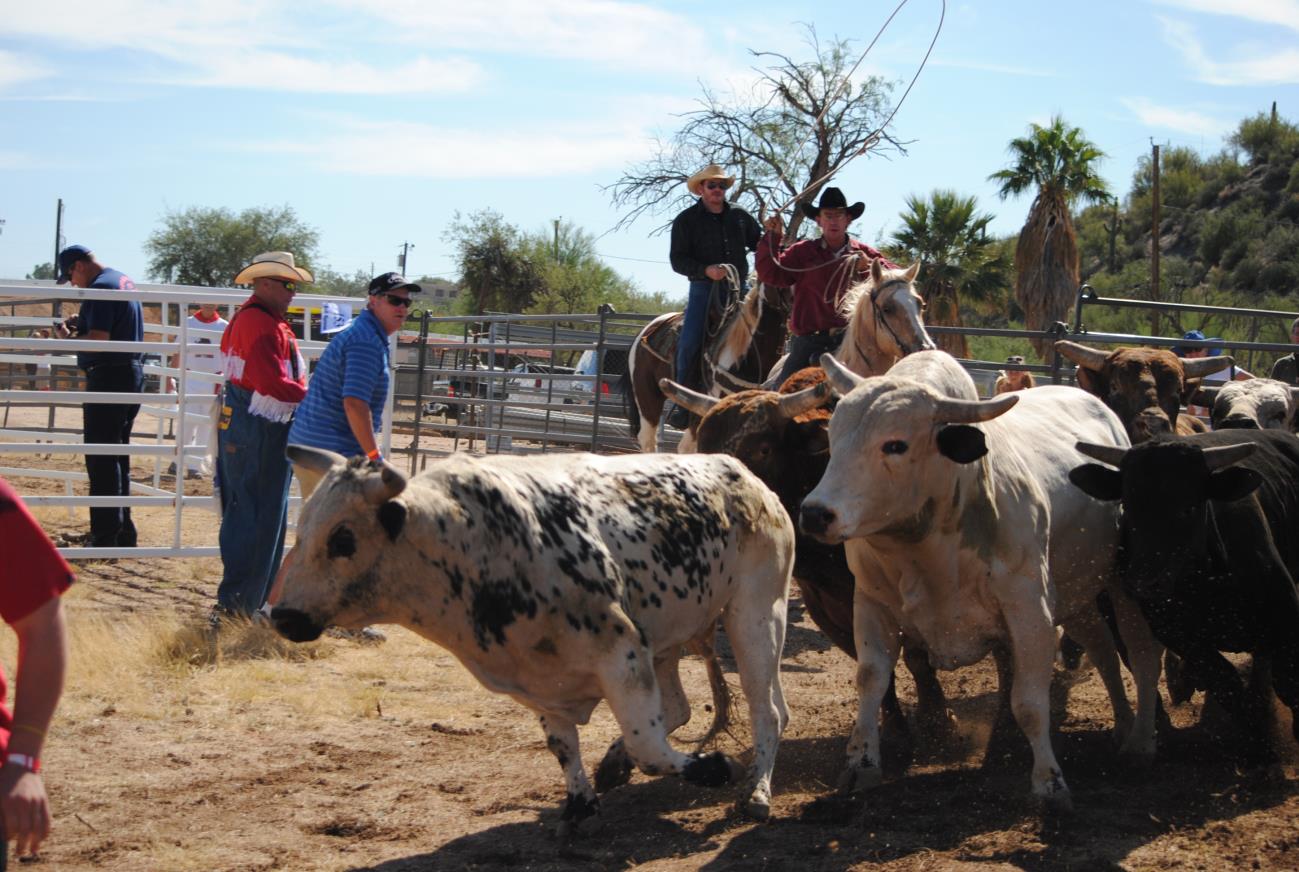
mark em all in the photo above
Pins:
pixel 166 406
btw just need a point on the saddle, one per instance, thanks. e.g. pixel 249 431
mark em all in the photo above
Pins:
pixel 661 339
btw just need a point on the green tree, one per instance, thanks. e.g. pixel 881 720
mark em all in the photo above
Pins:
pixel 959 261
pixel 336 284
pixel 497 268
pixel 207 247
pixel 1061 165
pixel 802 122
pixel 44 271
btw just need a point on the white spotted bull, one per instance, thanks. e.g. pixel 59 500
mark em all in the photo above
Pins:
pixel 562 580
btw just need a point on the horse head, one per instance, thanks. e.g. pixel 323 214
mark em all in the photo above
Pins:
pixel 886 320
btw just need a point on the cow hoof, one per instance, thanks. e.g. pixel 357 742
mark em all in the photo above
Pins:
pixel 1136 759
pixel 859 779
pixel 757 806
pixel 1057 803
pixel 711 770
pixel 614 770
pixel 579 811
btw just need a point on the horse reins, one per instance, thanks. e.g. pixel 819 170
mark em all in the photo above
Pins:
pixel 880 319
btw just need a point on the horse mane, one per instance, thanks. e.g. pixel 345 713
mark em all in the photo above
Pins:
pixel 736 333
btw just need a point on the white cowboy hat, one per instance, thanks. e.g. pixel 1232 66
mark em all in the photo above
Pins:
pixel 712 171
pixel 273 265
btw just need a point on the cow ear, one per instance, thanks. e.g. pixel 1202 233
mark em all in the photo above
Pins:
pixel 1098 482
pixel 392 517
pixel 1189 389
pixel 1092 382
pixel 1233 483
pixel 962 443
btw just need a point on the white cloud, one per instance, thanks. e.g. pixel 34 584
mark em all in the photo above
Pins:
pixel 1279 67
pixel 1169 118
pixel 238 44
pixel 425 151
pixel 1282 12
pixel 16 68
pixel 282 72
pixel 619 34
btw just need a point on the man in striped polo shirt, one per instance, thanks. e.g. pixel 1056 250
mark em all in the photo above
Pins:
pixel 343 408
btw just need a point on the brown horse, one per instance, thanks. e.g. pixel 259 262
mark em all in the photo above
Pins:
pixel 747 343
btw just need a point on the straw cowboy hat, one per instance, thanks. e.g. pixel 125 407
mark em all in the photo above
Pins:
pixel 833 198
pixel 696 182
pixel 272 265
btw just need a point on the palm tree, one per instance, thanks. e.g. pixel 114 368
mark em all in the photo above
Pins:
pixel 1060 163
pixel 960 262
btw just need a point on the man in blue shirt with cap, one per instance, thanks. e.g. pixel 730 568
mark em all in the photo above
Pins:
pixel 106 371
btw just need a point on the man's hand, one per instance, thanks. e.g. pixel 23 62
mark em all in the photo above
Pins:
pixel 773 224
pixel 26 808
pixel 67 328
pixel 715 272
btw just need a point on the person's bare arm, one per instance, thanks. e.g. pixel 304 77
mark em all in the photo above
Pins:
pixel 42 663
pixel 359 419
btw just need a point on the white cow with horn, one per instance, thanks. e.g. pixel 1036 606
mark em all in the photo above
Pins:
pixel 968 537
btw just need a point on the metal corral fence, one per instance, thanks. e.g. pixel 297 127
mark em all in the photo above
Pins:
pixel 484 384
pixel 41 373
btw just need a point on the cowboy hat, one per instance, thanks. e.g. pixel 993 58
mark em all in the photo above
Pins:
pixel 833 198
pixel 712 171
pixel 272 265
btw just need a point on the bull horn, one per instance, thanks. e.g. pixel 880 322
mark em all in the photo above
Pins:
pixel 1111 454
pixel 315 459
pixel 1205 396
pixel 841 377
pixel 1199 367
pixel 694 401
pixel 1225 455
pixel 795 404
pixel 972 411
pixel 1083 355
pixel 383 487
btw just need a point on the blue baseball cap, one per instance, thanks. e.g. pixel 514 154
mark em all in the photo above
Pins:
pixel 1198 335
pixel 69 256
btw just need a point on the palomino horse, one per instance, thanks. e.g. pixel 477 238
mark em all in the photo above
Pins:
pixel 749 340
pixel 886 321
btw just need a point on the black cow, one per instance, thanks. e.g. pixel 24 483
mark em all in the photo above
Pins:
pixel 1210 549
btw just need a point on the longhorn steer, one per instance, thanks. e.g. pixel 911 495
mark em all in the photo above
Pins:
pixel 560 581
pixel 1210 549
pixel 969 538
pixel 1146 387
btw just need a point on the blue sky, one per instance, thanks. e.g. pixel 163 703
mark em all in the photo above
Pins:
pixel 376 120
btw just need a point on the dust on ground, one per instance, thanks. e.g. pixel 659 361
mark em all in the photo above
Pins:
pixel 392 757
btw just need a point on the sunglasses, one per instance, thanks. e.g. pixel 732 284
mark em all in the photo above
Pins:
pixel 288 285
pixel 715 186
pixel 397 300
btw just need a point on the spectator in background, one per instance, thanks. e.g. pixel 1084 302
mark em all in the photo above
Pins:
pixel 32 578
pixel 1231 373
pixel 343 409
pixel 205 327
pixel 265 381
pixel 1287 368
pixel 115 371
pixel 1013 379
pixel 38 374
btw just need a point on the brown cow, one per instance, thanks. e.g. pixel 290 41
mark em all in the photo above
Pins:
pixel 1145 387
pixel 782 438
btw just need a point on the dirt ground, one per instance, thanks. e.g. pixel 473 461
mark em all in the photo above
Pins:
pixel 170 753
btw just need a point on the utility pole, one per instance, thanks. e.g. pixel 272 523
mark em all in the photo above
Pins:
pixel 401 261
pixel 557 238
pixel 1154 238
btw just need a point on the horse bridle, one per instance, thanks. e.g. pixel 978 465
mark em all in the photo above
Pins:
pixel 879 315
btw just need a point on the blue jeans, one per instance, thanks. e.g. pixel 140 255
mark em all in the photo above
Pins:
pixel 110 474
pixel 254 477
pixel 694 326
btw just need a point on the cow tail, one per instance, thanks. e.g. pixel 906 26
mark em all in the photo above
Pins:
pixel 703 648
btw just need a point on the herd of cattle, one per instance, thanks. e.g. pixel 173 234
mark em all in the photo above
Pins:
pixel 917 519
